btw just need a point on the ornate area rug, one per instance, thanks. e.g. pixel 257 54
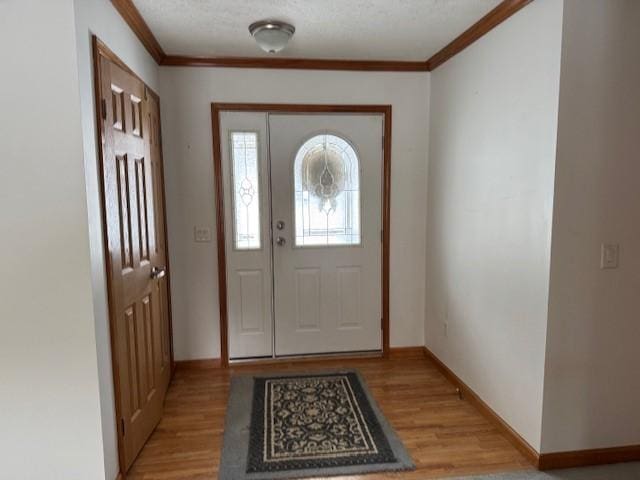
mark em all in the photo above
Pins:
pixel 307 425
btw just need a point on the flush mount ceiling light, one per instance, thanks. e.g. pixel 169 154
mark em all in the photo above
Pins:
pixel 272 36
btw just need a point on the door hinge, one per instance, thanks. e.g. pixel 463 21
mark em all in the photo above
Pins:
pixel 122 425
pixel 103 107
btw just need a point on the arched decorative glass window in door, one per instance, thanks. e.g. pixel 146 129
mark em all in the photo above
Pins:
pixel 327 192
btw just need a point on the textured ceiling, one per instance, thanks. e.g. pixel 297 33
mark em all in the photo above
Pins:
pixel 340 29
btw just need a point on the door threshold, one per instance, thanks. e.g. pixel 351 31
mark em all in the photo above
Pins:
pixel 332 356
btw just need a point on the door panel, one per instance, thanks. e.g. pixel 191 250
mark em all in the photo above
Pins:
pixel 307 299
pixel 349 297
pixel 248 237
pixel 327 264
pixel 252 307
pixel 134 215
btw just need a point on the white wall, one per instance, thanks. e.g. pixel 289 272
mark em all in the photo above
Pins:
pixel 186 120
pixel 50 420
pixel 491 173
pixel 100 17
pixel 592 384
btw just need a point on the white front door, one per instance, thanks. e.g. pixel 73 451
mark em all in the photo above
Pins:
pixel 326 187
pixel 303 223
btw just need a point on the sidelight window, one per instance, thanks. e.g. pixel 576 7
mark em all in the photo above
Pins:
pixel 246 190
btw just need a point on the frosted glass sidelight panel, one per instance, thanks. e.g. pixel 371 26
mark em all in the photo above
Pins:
pixel 246 190
pixel 327 192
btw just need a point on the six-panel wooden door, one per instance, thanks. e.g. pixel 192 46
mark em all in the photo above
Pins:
pixel 133 204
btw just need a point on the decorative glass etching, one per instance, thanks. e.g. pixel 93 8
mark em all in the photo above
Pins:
pixel 327 192
pixel 246 190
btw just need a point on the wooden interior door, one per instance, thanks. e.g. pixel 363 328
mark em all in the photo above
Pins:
pixel 134 223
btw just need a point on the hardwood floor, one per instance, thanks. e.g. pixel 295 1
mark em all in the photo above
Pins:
pixel 445 436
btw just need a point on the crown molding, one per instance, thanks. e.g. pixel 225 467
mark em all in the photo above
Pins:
pixel 132 16
pixel 495 17
pixel 295 63
pixel 483 26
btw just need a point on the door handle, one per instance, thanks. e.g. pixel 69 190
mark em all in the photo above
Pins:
pixel 157 272
pixel 280 241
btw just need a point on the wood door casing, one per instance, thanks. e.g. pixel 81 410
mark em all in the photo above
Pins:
pixel 135 244
pixel 216 110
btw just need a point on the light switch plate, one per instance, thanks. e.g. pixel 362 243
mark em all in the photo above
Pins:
pixel 609 255
pixel 202 234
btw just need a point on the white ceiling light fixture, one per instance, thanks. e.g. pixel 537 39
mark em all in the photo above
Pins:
pixel 271 35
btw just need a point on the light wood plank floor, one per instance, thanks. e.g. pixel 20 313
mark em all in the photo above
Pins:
pixel 445 436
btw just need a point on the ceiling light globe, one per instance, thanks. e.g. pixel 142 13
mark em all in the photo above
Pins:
pixel 271 36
